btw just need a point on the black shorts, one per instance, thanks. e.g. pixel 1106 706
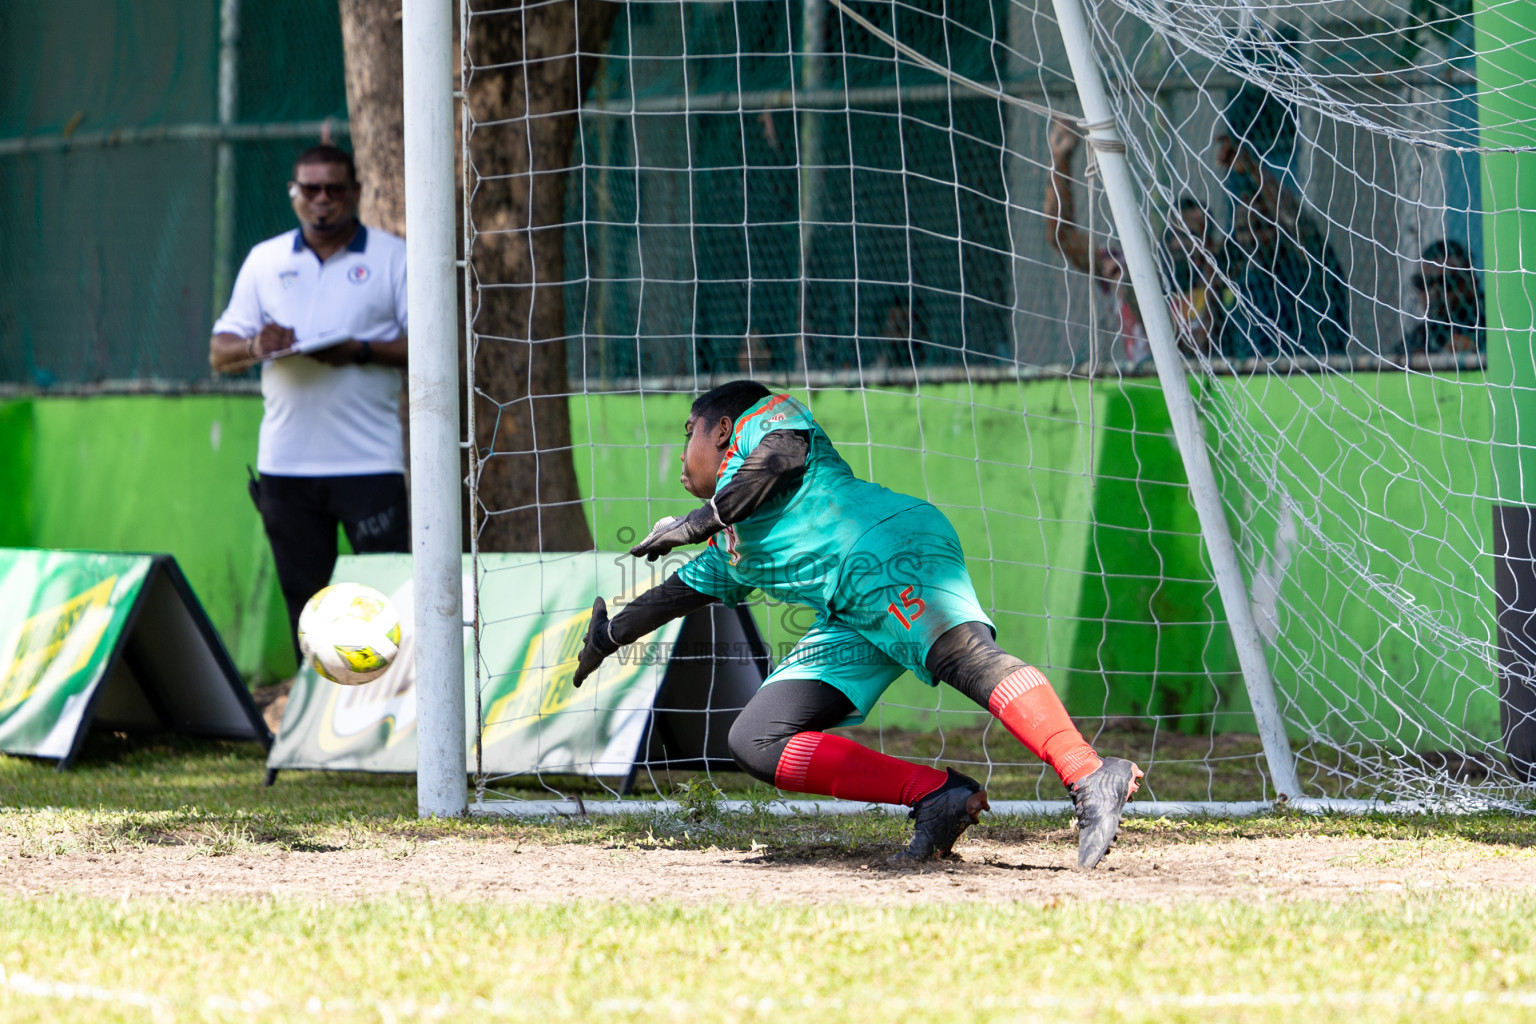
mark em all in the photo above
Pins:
pixel 301 514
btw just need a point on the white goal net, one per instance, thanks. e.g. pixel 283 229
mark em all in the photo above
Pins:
pixel 889 210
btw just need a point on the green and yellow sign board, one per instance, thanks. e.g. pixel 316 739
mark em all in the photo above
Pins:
pixel 667 699
pixel 111 640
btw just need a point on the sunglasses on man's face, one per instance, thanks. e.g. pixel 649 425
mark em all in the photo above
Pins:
pixel 333 189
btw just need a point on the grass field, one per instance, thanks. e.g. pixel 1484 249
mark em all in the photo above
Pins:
pixel 352 914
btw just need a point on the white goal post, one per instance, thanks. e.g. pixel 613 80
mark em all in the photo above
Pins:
pixel 433 389
pixel 1109 150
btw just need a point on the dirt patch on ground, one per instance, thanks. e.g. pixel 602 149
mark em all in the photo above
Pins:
pixel 1321 868
pixel 272 701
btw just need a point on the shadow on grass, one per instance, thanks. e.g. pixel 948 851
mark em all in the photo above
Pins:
pixel 210 797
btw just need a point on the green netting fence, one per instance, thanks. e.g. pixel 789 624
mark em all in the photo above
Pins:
pixel 119 233
pixel 763 187
pixel 771 176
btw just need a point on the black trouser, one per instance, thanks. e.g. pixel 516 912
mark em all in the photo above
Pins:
pixel 966 658
pixel 301 514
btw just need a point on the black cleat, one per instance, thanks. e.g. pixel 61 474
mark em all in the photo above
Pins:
pixel 941 817
pixel 1100 798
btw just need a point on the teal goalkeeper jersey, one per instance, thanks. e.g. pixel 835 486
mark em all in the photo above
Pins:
pixel 795 547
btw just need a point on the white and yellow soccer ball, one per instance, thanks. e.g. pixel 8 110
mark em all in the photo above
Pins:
pixel 349 633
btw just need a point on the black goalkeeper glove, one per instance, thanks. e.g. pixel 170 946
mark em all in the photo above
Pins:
pixel 675 531
pixel 596 645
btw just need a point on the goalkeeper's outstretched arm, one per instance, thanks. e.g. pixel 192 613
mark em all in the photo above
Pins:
pixel 1059 208
pixel 774 467
pixel 652 609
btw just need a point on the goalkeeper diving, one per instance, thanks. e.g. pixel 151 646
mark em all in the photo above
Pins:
pixel 884 573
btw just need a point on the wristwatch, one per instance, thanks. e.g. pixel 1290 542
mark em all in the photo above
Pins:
pixel 364 354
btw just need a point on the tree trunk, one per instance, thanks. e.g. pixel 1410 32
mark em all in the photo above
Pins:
pixel 371 41
pixel 523 96
pixel 370 33
pixel 527 478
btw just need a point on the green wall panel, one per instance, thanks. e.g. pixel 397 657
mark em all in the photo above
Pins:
pixel 1370 505
pixel 1153 638
pixel 1070 502
pixel 1506 67
pixel 16 453
pixel 164 474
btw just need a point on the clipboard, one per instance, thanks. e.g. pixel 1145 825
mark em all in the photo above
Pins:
pixel 314 343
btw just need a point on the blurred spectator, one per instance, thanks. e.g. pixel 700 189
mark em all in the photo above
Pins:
pixel 1288 290
pixel 322 310
pixel 1187 257
pixel 1192 254
pixel 1451 295
pixel 1105 264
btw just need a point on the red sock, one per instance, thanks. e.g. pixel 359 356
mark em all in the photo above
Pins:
pixel 818 762
pixel 1025 703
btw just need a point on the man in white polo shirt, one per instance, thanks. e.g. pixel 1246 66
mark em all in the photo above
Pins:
pixel 322 308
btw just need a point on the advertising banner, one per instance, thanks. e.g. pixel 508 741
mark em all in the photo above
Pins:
pixel 668 700
pixel 114 641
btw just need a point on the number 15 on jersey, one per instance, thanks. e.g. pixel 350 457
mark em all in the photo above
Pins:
pixel 914 608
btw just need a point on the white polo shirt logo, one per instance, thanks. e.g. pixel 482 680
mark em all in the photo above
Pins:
pixel 358 273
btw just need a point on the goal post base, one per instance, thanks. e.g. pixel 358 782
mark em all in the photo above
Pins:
pixel 1019 808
